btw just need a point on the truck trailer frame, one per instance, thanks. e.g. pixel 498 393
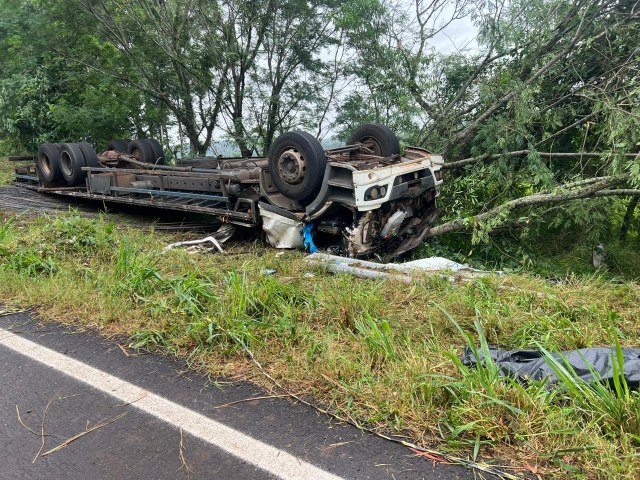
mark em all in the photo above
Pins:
pixel 359 200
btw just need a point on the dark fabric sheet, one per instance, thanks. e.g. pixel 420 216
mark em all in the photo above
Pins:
pixel 530 364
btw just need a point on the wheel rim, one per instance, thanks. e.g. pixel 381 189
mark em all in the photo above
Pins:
pixel 65 163
pixel 291 166
pixel 45 164
pixel 372 144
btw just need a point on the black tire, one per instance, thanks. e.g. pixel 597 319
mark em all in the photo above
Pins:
pixel 297 163
pixel 71 163
pixel 90 156
pixel 141 150
pixel 48 165
pixel 158 152
pixel 378 137
pixel 118 146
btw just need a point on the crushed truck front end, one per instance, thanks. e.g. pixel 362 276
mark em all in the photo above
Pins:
pixel 382 209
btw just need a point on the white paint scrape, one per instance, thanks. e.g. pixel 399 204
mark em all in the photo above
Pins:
pixel 266 457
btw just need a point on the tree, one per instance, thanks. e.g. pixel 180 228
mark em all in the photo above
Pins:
pixel 44 96
pixel 170 52
pixel 546 79
pixel 290 73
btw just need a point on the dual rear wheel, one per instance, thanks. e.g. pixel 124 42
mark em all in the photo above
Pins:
pixel 60 164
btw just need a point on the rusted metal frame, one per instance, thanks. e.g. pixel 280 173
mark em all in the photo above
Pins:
pixel 236 217
pixel 366 159
pixel 138 171
pixel 225 172
pixel 252 207
pixel 170 193
pixel 216 174
pixel 219 212
pixel 63 189
pixel 115 182
pixel 347 149
pixel 21 158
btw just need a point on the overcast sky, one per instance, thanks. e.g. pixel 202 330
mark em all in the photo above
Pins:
pixel 460 35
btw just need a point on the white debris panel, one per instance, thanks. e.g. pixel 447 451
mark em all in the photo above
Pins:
pixel 404 272
pixel 282 231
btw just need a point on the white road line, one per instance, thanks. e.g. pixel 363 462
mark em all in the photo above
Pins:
pixel 271 459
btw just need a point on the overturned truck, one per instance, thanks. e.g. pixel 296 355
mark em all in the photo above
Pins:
pixel 362 199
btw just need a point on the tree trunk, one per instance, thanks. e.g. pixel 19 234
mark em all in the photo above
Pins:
pixel 628 216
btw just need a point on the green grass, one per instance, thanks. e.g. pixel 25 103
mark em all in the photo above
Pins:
pixel 381 353
pixel 553 255
pixel 6 171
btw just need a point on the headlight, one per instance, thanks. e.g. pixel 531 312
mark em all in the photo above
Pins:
pixel 374 193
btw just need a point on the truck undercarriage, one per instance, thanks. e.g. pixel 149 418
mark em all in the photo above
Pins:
pixel 359 200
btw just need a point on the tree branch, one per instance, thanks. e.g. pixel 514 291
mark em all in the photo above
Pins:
pixel 523 153
pixel 596 189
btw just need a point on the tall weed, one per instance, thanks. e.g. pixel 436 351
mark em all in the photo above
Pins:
pixel 72 233
pixel 135 272
pixel 30 262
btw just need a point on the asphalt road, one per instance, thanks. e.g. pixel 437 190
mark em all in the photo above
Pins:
pixel 150 442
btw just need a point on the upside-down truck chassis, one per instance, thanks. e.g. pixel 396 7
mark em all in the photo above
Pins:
pixel 358 200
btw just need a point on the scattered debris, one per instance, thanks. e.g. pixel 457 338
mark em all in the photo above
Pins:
pixel 307 234
pixel 82 434
pixel 197 246
pixel 283 228
pixel 268 271
pixel 403 272
pixel 224 233
pixel 183 460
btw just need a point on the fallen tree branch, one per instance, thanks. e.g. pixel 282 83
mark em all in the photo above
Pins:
pixel 621 192
pixel 599 188
pixel 523 153
pixel 568 127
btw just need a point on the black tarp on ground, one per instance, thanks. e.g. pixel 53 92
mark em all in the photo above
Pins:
pixel 531 364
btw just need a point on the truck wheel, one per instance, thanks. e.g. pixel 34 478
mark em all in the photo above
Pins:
pixel 378 138
pixel 71 163
pixel 142 150
pixel 48 165
pixel 158 152
pixel 90 156
pixel 296 163
pixel 118 146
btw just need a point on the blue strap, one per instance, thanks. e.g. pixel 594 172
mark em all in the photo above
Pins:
pixel 308 238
